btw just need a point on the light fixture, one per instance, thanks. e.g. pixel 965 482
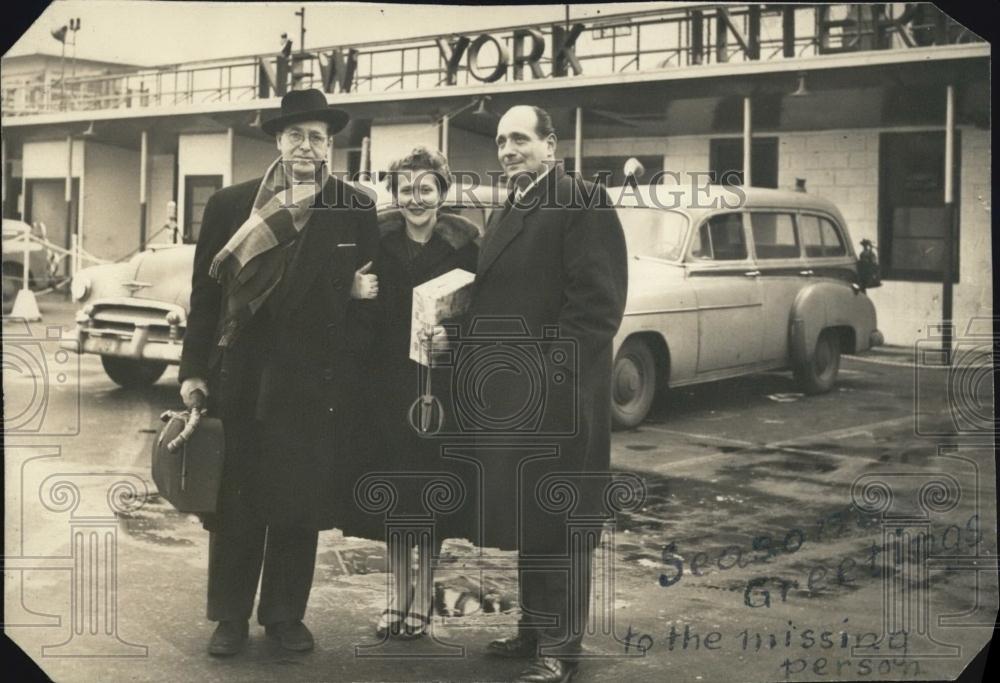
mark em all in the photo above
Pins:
pixel 60 33
pixel 482 107
pixel 256 121
pixel 802 90
pixel 90 132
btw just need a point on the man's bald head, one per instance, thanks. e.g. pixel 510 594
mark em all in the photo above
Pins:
pixel 526 140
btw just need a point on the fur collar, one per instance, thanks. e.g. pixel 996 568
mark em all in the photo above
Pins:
pixel 455 230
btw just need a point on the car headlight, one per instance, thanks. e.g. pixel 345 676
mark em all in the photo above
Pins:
pixel 80 287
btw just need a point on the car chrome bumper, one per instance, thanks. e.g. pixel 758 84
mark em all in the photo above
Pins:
pixel 125 345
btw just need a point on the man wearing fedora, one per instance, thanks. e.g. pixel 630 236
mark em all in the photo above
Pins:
pixel 271 341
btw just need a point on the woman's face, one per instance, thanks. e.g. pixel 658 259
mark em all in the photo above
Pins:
pixel 418 197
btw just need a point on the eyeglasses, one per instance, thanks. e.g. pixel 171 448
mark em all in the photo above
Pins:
pixel 315 139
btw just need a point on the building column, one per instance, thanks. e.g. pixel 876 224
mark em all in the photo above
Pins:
pixel 72 235
pixel 747 137
pixel 3 175
pixel 578 142
pixel 444 135
pixel 227 180
pixel 364 170
pixel 143 181
pixel 947 298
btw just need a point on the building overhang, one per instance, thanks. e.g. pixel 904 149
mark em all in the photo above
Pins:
pixel 859 89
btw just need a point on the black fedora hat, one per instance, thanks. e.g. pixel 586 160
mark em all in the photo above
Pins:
pixel 305 105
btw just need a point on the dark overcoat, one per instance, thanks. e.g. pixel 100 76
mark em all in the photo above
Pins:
pixel 553 271
pixel 287 387
pixel 411 463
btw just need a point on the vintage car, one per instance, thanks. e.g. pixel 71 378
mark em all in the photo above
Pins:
pixel 41 261
pixel 728 281
pixel 134 313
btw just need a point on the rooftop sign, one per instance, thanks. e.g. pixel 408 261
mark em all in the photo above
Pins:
pixel 686 36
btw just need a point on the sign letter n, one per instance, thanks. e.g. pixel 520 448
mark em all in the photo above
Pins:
pixel 339 70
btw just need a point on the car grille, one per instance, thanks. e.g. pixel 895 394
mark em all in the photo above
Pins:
pixel 122 320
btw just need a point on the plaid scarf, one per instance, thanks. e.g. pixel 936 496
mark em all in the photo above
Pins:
pixel 251 265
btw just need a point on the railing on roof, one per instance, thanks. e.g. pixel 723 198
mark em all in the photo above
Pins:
pixel 632 42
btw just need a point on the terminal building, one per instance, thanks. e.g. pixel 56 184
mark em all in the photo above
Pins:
pixel 865 105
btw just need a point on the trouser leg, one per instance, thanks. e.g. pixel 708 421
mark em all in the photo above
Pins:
pixel 289 561
pixel 556 598
pixel 234 562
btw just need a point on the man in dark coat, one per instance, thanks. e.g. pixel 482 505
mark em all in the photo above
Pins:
pixel 271 340
pixel 552 270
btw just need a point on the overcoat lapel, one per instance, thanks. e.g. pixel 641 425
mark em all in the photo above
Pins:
pixel 322 232
pixel 511 223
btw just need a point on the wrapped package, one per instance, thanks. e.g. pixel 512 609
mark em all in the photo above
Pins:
pixel 446 296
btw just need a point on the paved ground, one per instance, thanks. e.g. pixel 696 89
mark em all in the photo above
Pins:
pixel 759 551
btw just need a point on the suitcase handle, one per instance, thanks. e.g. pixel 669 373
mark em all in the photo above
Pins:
pixel 191 420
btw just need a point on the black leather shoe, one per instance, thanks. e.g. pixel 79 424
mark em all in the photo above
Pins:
pixel 291 635
pixel 229 638
pixel 547 670
pixel 514 647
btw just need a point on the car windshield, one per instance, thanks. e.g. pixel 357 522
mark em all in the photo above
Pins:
pixel 657 233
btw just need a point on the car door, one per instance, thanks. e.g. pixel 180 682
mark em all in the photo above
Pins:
pixel 778 255
pixel 826 252
pixel 727 292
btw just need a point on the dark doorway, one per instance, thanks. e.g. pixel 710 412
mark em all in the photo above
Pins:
pixel 197 190
pixel 45 204
pixel 725 161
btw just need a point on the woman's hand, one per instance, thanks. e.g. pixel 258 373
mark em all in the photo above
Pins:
pixel 365 285
pixel 435 339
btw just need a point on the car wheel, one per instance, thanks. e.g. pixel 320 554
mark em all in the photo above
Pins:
pixel 13 280
pixel 818 375
pixel 633 384
pixel 131 373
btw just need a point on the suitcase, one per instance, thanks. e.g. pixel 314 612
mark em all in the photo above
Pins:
pixel 187 460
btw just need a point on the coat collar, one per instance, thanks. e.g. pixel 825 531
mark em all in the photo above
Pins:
pixel 505 225
pixel 455 230
pixel 450 234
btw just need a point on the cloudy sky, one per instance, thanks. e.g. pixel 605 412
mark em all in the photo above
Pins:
pixel 149 33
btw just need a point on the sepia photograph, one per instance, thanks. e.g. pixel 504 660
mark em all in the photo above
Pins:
pixel 636 341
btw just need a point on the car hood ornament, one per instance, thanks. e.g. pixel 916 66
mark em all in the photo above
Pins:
pixel 134 286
